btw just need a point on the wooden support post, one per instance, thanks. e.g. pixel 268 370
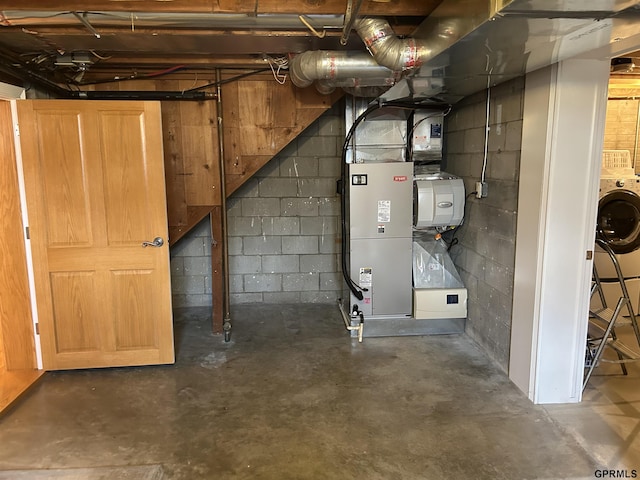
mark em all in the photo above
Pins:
pixel 217 270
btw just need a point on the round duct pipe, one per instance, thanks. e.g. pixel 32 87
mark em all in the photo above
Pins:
pixel 357 71
pixel 339 69
pixel 387 49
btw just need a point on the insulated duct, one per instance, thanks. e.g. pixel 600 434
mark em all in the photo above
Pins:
pixel 339 69
pixel 390 57
pixel 387 49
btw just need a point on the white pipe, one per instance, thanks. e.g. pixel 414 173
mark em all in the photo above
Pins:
pixel 347 322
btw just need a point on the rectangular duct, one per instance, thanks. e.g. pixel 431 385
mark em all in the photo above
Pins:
pixel 487 43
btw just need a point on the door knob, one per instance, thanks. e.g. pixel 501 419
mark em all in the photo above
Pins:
pixel 157 242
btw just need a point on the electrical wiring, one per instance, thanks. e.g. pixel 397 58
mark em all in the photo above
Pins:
pixel 454 240
pixel 136 76
pixel 485 157
pixel 99 57
pixel 117 79
pixel 32 75
pixel 282 63
pixel 310 27
pixel 133 76
pixel 195 82
pixel 164 72
pixel 6 21
pixel 228 80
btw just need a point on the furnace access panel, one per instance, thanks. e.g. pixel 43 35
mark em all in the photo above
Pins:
pixel 380 236
pixel 381 200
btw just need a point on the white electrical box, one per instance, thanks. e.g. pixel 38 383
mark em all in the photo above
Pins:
pixel 433 303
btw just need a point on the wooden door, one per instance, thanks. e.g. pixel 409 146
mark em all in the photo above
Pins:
pixel 95 190
pixel 17 350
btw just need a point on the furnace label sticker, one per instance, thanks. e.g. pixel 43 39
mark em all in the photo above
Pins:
pixel 384 211
pixel 365 277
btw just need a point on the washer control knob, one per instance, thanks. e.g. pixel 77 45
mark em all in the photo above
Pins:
pixel 620 183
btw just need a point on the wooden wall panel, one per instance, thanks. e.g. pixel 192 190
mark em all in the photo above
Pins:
pixel 15 306
pixel 199 121
pixel 232 125
pixel 260 118
pixel 174 164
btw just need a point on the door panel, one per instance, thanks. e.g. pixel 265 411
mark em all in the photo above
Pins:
pixel 94 177
pixel 128 286
pixel 63 178
pixel 127 167
pixel 75 311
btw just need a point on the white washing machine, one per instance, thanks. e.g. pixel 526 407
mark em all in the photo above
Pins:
pixel 618 223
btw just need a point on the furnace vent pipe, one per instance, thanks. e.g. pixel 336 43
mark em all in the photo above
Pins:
pixel 387 49
pixel 390 57
pixel 339 69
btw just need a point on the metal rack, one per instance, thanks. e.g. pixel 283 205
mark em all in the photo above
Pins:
pixel 604 320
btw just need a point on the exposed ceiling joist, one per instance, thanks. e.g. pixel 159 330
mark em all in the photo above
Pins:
pixel 302 7
pixel 84 41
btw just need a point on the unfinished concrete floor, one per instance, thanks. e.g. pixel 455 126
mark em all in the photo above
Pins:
pixel 290 397
pixel 607 421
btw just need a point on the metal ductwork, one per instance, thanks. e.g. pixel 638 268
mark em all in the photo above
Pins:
pixel 465 46
pixel 387 49
pixel 391 57
pixel 479 44
pixel 339 69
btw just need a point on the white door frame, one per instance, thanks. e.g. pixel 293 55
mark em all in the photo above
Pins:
pixel 25 222
pixel 563 129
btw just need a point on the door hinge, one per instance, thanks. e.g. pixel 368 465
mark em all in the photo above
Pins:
pixel 37 329
pixel 16 130
pixel 589 254
pixel 27 233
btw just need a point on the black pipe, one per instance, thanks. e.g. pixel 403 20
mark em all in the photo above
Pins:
pixel 142 95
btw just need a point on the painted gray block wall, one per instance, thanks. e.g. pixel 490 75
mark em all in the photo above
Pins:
pixel 284 240
pixel 485 255
pixel 191 268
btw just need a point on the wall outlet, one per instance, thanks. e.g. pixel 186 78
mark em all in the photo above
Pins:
pixel 481 189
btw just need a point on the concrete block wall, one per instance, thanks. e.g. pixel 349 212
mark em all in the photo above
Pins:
pixel 284 232
pixel 284 240
pixel 191 268
pixel 485 254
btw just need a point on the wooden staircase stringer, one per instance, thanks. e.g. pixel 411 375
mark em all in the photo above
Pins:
pixel 257 131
